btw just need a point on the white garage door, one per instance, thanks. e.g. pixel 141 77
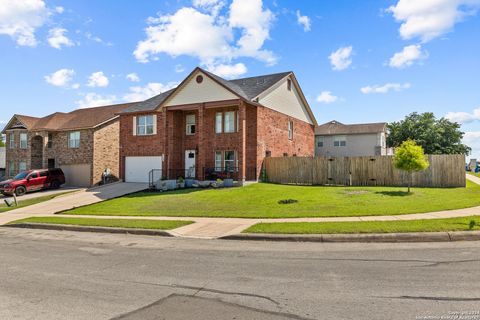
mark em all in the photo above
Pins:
pixel 138 168
pixel 77 175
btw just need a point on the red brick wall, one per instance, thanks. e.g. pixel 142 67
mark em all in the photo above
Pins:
pixel 137 146
pixel 272 135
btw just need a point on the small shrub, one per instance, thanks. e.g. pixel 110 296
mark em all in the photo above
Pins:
pixel 287 201
pixel 472 224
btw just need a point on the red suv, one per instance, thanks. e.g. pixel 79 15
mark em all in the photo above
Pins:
pixel 33 180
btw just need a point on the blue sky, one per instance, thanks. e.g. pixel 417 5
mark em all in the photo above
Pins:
pixel 357 61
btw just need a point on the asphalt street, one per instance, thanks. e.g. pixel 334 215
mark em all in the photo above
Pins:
pixel 74 275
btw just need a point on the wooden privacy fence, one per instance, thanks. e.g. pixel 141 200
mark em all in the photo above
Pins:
pixel 444 171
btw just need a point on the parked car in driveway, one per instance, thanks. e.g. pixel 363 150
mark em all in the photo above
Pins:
pixel 33 180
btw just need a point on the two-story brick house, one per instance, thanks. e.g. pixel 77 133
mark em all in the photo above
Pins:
pixel 208 125
pixel 83 143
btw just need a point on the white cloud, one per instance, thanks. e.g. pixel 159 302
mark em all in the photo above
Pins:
pixel 429 19
pixel 59 9
pixel 472 139
pixel 133 77
pixel 213 39
pixel 179 68
pixel 20 19
pixel 326 97
pixel 407 56
pixel 228 71
pixel 211 6
pixel 464 117
pixel 57 38
pixel 342 58
pixel 61 78
pixel 385 88
pixel 151 89
pixel 92 99
pixel 304 21
pixel 97 79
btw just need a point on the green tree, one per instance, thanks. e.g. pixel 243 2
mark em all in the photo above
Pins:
pixel 2 140
pixel 410 157
pixel 435 136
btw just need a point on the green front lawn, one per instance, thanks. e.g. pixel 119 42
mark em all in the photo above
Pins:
pixel 451 224
pixel 29 202
pixel 118 223
pixel 262 201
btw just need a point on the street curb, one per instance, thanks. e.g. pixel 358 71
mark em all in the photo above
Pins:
pixel 374 237
pixel 45 226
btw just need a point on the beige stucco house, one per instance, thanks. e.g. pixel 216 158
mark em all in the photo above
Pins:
pixel 336 139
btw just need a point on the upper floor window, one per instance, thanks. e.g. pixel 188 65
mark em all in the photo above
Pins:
pixel 339 141
pixel 50 141
pixel 23 140
pixel 145 125
pixel 320 142
pixel 226 122
pixel 12 141
pixel 290 130
pixel 229 121
pixel 190 120
pixel 74 139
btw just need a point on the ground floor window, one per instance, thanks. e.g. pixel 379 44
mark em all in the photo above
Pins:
pixel 226 160
pixel 22 166
pixel 11 169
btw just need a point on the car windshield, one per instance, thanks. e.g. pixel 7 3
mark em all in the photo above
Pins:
pixel 21 175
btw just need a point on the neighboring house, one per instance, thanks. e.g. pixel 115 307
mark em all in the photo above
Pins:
pixel 337 139
pixel 83 143
pixel 209 127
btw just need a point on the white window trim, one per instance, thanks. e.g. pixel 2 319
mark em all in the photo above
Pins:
pixel 136 125
pixel 218 167
pixel 23 142
pixel 189 125
pixel 22 164
pixel 76 142
pixel 219 125
pixel 12 141
pixel 290 130
pixel 234 161
pixel 337 141
pixel 230 123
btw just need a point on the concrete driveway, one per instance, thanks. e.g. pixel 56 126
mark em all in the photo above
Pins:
pixel 43 193
pixel 73 200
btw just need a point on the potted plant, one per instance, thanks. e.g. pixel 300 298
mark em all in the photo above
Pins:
pixel 181 183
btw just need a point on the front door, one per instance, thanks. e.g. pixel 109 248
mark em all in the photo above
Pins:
pixel 190 164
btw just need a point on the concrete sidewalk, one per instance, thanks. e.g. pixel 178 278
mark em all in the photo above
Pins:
pixel 212 228
pixel 43 193
pixel 73 200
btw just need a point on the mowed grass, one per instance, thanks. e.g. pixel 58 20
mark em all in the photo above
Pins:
pixel 29 202
pixel 477 174
pixel 117 223
pixel 261 201
pixel 450 224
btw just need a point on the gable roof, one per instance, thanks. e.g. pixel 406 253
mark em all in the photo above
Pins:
pixel 77 119
pixel 245 88
pixel 335 127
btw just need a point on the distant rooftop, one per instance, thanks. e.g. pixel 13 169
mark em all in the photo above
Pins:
pixel 335 127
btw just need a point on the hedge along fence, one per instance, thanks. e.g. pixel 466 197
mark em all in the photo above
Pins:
pixel 444 171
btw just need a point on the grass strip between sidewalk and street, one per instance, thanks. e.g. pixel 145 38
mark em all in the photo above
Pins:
pixel 471 223
pixel 116 223
pixel 29 202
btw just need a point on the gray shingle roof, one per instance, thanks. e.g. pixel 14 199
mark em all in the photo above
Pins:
pixel 247 88
pixel 335 127
pixel 149 104
pixel 253 86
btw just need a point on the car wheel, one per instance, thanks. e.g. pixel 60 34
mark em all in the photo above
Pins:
pixel 20 191
pixel 55 185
